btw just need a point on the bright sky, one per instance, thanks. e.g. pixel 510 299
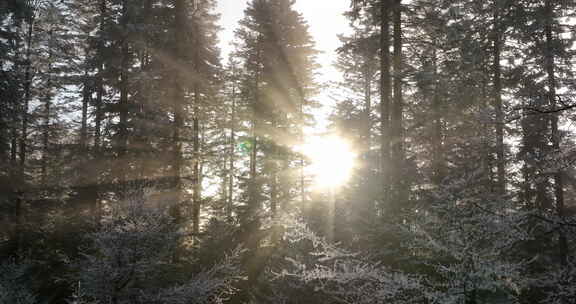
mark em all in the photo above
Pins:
pixel 324 18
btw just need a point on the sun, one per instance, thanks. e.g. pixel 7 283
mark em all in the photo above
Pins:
pixel 331 160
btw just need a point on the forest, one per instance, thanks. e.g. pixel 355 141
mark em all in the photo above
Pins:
pixel 140 165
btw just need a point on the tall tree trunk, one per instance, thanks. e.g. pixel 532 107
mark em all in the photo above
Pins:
pixel 178 107
pixel 368 207
pixel 85 104
pixel 178 100
pixel 98 107
pixel 15 173
pixel 100 79
pixel 558 178
pixel 141 167
pixel 254 157
pixel 485 134
pixel 197 179
pixel 27 94
pixel 231 160
pixel 87 182
pixel 47 108
pixel 19 208
pixel 385 98
pixel 197 183
pixel 14 147
pixel 367 127
pixel 274 187
pixel 251 219
pixel 148 19
pixel 527 175
pixel 15 176
pixel 399 180
pixel 123 106
pixel 496 71
pixel 273 164
pixel 301 141
pixel 253 195
pixel 438 165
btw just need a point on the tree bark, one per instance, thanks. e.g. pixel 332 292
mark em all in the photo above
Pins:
pixel 438 166
pixel 558 178
pixel 197 181
pixel 178 100
pixel 100 80
pixel 499 123
pixel 273 165
pixel 19 206
pixel 253 195
pixel 85 104
pixel 47 108
pixel 197 186
pixel 231 166
pixel 385 98
pixel 27 94
pixel 302 161
pixel 367 103
pixel 123 105
pixel 398 154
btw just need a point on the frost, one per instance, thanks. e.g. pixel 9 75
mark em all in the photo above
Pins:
pixel 133 251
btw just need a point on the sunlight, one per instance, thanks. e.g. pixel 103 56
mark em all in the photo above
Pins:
pixel 331 160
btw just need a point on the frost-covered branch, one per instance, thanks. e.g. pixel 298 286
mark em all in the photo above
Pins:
pixel 130 260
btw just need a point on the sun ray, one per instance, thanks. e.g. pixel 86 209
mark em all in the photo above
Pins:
pixel 331 160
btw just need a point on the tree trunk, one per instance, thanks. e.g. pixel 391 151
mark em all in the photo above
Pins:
pixel 367 127
pixel 302 161
pixel 197 182
pixel 253 158
pixel 500 155
pixel 47 106
pixel 231 167
pixel 19 206
pixel 558 178
pixel 438 165
pixel 273 164
pixel 385 98
pixel 27 95
pixel 197 185
pixel 85 103
pixel 274 187
pixel 251 221
pixel 15 176
pixel 399 180
pixel 253 195
pixel 14 147
pixel 123 106
pixel 100 80
pixel 178 100
pixel 99 114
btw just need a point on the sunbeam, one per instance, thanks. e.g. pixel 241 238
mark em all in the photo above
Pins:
pixel 331 160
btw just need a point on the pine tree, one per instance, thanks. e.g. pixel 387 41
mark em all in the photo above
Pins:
pixel 277 54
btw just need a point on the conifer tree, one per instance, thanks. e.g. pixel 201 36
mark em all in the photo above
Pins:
pixel 277 54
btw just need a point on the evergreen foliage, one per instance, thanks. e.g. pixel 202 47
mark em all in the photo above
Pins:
pixel 460 114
